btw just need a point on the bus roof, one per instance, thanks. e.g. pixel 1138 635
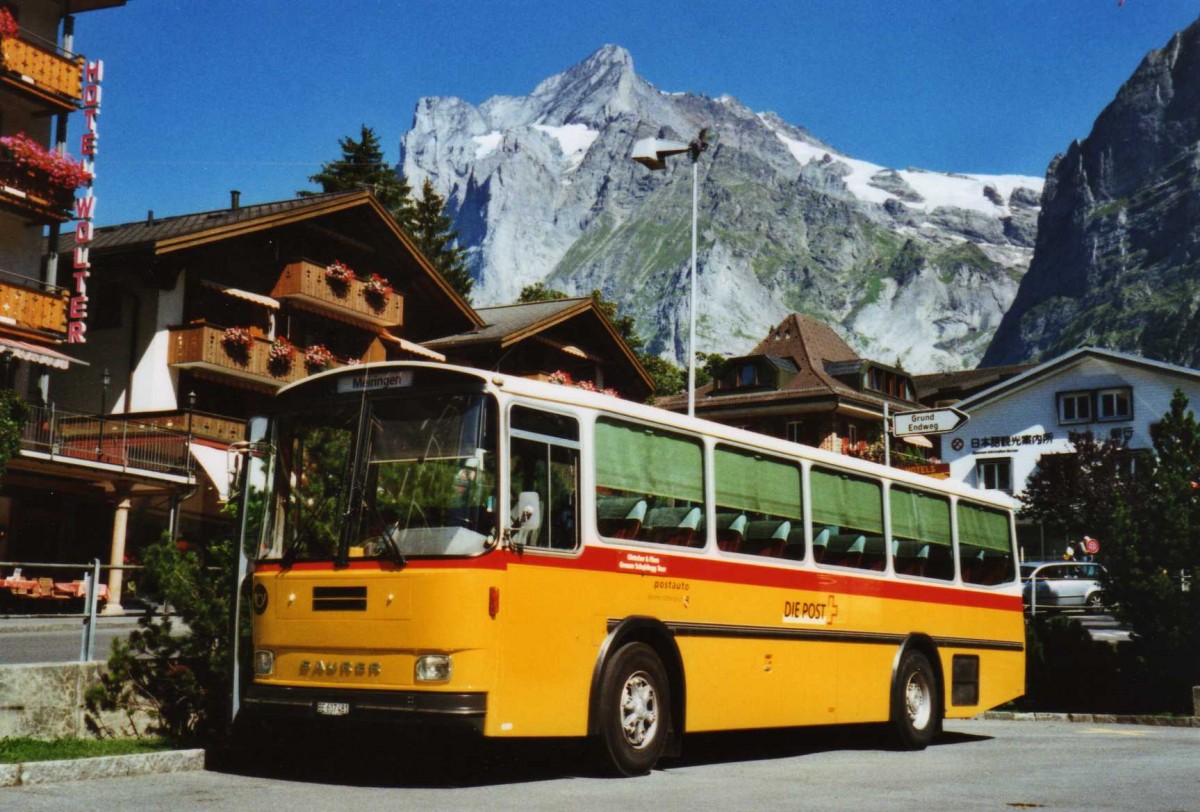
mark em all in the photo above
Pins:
pixel 573 396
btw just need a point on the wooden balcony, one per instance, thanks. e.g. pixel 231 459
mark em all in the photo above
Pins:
pixel 204 426
pixel 303 285
pixel 46 74
pixel 199 348
pixel 27 308
pixel 32 195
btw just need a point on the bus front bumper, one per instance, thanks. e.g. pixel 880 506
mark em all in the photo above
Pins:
pixel 455 710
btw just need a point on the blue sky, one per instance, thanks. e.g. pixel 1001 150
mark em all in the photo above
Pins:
pixel 204 97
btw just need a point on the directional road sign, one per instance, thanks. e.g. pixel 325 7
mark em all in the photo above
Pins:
pixel 932 421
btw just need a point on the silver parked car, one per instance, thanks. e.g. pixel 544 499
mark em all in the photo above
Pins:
pixel 1063 584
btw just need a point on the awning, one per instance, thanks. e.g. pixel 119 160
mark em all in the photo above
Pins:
pixel 215 463
pixel 37 354
pixel 244 295
pixel 413 347
pixel 918 440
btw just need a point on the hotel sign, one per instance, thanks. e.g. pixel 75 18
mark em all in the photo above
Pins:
pixel 85 207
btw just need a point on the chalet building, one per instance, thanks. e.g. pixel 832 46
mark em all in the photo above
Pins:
pixel 193 322
pixel 546 339
pixel 805 384
pixel 1110 395
pixel 43 82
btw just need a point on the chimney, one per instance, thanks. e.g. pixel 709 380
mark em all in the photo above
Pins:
pixel 150 217
pixel 235 199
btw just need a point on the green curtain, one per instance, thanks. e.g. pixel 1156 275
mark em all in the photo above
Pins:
pixel 846 501
pixel 983 528
pixel 641 460
pixel 919 516
pixel 753 483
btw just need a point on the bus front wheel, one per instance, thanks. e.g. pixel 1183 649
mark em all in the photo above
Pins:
pixel 635 710
pixel 916 708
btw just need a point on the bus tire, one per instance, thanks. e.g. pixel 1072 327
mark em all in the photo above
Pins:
pixel 916 706
pixel 635 710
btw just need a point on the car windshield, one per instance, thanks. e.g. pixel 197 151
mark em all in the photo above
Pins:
pixel 384 478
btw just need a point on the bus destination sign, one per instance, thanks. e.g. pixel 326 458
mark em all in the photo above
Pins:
pixel 932 421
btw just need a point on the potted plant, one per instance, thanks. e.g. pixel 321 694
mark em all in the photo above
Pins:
pixel 236 342
pixel 8 24
pixel 280 356
pixel 377 291
pixel 317 357
pixel 24 159
pixel 339 276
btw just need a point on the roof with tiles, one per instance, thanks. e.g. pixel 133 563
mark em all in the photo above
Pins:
pixel 154 230
pixel 506 321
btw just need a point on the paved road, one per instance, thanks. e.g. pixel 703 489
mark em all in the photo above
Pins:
pixel 979 765
pixel 56 640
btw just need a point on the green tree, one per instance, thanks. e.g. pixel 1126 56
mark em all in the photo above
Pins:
pixel 1076 492
pixel 13 414
pixel 433 232
pixel 1152 557
pixel 178 678
pixel 361 167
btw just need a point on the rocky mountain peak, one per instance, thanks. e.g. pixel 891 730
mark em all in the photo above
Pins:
pixel 1118 246
pixel 542 190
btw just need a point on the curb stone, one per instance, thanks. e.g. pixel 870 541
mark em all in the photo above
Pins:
pixel 85 769
pixel 1097 718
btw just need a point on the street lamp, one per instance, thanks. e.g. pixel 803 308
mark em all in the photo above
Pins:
pixel 652 153
pixel 105 380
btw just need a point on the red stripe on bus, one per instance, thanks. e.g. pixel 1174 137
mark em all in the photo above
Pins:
pixel 603 559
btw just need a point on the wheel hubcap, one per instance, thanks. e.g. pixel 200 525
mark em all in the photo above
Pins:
pixel 918 701
pixel 639 710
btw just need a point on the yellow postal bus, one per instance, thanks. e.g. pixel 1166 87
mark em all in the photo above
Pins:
pixel 439 545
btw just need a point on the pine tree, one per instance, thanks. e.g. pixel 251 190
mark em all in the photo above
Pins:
pixel 1153 558
pixel 362 167
pixel 432 231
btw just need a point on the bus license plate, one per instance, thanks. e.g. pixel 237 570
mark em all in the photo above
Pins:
pixel 333 708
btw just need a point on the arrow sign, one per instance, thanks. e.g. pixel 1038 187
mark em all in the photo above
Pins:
pixel 933 421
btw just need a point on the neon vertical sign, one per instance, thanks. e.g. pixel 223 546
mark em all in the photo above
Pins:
pixel 85 207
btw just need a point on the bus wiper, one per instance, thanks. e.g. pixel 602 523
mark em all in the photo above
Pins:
pixel 387 533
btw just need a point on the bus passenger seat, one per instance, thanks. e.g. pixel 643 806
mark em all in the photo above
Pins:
pixel 766 537
pixel 794 549
pixel 619 517
pixel 821 544
pixel 730 529
pixel 677 526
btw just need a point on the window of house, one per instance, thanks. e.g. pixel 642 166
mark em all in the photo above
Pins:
pixel 747 375
pixel 1114 404
pixel 795 430
pixel 995 474
pixel 1075 407
pixel 852 433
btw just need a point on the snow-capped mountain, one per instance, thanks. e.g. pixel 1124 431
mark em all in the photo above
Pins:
pixel 910 265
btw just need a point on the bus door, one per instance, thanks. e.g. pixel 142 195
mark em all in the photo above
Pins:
pixel 548 657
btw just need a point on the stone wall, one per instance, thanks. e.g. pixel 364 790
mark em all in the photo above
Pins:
pixel 45 701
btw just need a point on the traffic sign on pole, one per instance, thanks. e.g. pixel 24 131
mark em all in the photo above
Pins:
pixel 931 421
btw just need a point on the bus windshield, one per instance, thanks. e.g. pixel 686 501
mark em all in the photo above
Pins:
pixel 380 477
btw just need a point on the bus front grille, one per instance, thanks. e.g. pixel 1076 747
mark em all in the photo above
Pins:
pixel 339 599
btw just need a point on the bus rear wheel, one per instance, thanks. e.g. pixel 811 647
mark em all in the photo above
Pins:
pixel 635 710
pixel 916 705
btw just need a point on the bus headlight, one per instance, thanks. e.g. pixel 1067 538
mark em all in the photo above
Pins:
pixel 264 663
pixel 432 668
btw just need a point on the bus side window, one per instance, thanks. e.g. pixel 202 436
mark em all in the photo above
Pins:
pixel 984 546
pixel 544 459
pixel 921 539
pixel 758 504
pixel 649 484
pixel 852 508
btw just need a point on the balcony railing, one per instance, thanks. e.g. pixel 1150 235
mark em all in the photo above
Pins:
pixel 30 308
pixel 45 72
pixel 34 195
pixel 203 426
pixel 200 347
pixel 305 286
pixel 112 441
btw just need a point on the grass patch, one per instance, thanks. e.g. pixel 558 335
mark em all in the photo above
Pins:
pixel 22 749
